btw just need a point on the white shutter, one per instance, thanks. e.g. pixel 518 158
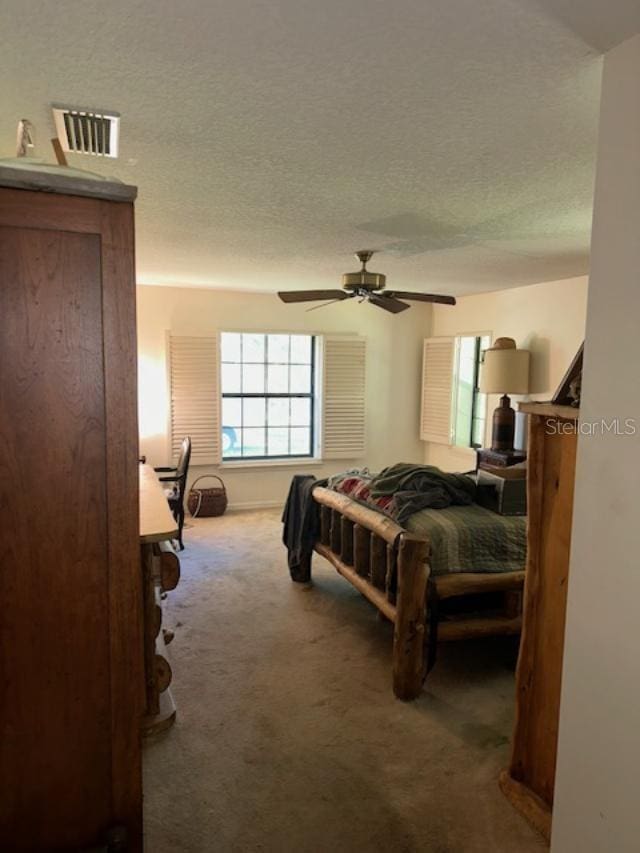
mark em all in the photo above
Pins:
pixel 343 400
pixel 437 388
pixel 195 397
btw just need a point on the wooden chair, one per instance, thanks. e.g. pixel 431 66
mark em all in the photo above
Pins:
pixel 178 476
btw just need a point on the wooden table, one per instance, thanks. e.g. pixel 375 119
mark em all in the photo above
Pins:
pixel 160 572
pixel 157 524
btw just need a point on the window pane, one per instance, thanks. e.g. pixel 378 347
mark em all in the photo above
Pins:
pixel 478 427
pixel 230 346
pixel 300 411
pixel 252 379
pixel 478 432
pixel 278 411
pixel 467 362
pixel 231 411
pixel 277 379
pixel 253 411
pixel 252 348
pixel 230 378
pixel 253 442
pixel 278 349
pixel 301 349
pixel 255 366
pixel 300 379
pixel 231 441
pixel 300 440
pixel 464 390
pixel 277 441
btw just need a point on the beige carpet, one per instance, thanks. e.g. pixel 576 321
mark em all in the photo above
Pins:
pixel 288 737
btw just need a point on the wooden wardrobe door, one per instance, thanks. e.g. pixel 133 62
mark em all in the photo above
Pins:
pixel 70 651
pixel 52 434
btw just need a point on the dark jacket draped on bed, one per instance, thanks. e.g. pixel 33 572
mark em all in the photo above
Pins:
pixel 301 520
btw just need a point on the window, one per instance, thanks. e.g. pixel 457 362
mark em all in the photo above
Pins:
pixel 469 405
pixel 268 406
pixel 266 396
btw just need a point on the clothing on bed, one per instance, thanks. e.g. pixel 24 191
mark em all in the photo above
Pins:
pixel 416 487
pixel 301 520
pixel 403 489
pixel 462 538
pixel 471 539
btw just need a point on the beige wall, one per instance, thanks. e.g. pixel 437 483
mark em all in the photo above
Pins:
pixel 394 352
pixel 548 319
pixel 597 806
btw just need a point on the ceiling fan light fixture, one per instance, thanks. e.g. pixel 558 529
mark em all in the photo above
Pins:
pixel 367 287
pixel 363 279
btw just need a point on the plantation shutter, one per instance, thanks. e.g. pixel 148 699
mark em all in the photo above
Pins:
pixel 343 400
pixel 195 397
pixel 437 389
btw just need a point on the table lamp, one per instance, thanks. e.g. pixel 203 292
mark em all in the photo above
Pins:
pixel 505 370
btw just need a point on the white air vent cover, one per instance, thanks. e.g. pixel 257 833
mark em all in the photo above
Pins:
pixel 84 131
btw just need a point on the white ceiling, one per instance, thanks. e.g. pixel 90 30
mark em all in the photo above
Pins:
pixel 271 138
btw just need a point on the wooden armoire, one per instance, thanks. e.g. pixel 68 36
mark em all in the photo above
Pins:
pixel 70 588
pixel 529 781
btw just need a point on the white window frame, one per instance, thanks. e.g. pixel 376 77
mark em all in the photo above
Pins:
pixel 288 459
pixel 440 389
pixel 327 443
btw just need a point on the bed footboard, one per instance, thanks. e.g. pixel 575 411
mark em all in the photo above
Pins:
pixel 389 567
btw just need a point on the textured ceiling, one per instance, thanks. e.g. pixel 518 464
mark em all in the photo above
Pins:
pixel 271 138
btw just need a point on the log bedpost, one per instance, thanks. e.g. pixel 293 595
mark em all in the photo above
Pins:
pixel 325 524
pixel 361 543
pixel 336 531
pixel 391 580
pixel 346 543
pixel 409 631
pixel 378 561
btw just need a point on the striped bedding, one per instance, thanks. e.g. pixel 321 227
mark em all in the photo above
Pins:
pixel 471 539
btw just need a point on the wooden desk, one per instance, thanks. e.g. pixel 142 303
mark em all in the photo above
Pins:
pixel 160 573
pixel 156 522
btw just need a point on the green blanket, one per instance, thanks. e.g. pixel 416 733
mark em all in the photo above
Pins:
pixel 471 539
pixel 416 487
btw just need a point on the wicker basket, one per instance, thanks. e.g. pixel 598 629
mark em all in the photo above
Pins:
pixel 207 502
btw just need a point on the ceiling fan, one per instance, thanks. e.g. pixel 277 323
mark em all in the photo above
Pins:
pixel 367 287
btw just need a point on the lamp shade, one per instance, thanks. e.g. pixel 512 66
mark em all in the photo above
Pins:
pixel 505 369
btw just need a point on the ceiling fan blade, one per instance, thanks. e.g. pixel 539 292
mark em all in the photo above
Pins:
pixel 423 297
pixel 331 302
pixel 311 295
pixel 387 302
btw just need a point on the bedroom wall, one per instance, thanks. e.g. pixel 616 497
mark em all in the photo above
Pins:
pixel 596 800
pixel 548 319
pixel 394 353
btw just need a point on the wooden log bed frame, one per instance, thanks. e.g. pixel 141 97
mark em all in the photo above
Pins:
pixel 390 567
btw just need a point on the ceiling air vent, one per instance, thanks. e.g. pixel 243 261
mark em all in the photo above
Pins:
pixel 84 131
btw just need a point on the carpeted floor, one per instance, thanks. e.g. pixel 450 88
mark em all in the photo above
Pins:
pixel 288 737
